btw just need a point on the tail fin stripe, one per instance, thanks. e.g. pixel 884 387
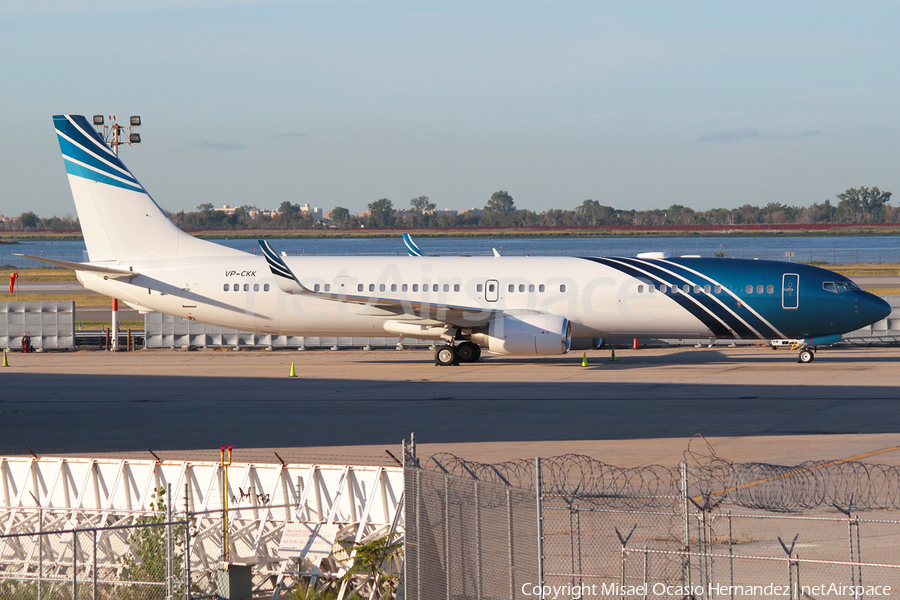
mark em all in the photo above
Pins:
pixel 90 134
pixel 75 150
pixel 79 169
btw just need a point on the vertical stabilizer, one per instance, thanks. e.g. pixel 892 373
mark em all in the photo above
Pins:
pixel 119 219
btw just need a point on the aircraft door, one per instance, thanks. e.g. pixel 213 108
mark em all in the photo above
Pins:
pixel 790 291
pixel 491 290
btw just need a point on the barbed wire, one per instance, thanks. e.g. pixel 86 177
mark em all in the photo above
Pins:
pixel 711 481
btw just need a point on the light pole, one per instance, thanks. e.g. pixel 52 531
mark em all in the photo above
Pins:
pixel 114 135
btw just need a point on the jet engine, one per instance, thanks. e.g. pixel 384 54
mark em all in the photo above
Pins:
pixel 526 335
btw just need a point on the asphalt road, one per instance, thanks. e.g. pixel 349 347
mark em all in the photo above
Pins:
pixel 191 401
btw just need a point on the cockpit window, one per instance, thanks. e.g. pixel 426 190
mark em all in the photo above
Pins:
pixel 839 287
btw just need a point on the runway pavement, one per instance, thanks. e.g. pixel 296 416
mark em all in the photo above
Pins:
pixel 753 403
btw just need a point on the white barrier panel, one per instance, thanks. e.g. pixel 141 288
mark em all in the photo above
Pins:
pixel 54 494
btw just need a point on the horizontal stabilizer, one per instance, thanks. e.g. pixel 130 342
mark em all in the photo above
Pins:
pixel 111 273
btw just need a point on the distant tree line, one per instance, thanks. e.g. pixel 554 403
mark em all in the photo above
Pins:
pixel 28 221
pixel 856 205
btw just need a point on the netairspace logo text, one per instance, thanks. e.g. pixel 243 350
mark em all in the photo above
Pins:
pixel 554 592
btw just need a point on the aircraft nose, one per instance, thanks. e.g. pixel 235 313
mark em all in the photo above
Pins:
pixel 873 308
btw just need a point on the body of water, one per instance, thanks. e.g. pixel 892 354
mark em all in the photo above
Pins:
pixel 833 250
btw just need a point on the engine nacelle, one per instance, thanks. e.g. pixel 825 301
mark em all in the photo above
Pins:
pixel 526 335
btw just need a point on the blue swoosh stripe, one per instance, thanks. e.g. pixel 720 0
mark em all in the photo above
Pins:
pixel 743 311
pixel 716 326
pixel 743 328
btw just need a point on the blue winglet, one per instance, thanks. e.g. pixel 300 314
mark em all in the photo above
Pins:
pixel 411 246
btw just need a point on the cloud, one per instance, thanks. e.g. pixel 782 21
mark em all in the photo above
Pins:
pixel 291 134
pixel 220 145
pixel 746 133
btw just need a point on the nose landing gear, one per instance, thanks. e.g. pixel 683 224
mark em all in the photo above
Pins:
pixel 806 356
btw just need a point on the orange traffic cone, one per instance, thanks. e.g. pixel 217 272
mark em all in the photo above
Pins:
pixel 634 346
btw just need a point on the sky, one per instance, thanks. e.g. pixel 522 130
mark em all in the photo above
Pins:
pixel 636 105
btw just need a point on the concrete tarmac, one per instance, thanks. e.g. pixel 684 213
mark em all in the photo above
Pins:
pixel 753 404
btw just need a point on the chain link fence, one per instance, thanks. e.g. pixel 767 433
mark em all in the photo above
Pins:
pixel 141 561
pixel 572 527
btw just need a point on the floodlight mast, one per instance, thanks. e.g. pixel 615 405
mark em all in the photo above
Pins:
pixel 115 135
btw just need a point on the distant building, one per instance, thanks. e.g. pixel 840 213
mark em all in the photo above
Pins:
pixel 314 212
pixel 473 210
pixel 228 210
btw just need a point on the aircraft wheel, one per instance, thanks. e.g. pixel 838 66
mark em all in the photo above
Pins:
pixel 806 356
pixel 468 352
pixel 445 356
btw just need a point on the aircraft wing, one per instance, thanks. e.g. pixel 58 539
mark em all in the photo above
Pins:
pixel 390 308
pixel 107 271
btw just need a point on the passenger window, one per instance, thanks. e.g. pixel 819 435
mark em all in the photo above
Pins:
pixel 327 287
pixel 456 287
pixel 359 288
pixel 749 289
pixel 316 288
pixel 415 287
pixel 266 287
pixel 521 287
pixel 718 289
pixel 687 289
pixel 651 288
pixel 371 287
pixel 512 288
pixel 381 287
pixel 226 287
pixel 770 289
pixel 759 289
pixel 478 288
pixel 236 287
pixel 255 287
pixel 404 287
pixel 562 288
pixel 696 289
pixel 663 288
pixel 393 287
pixel 491 287
pixel 541 288
pixel 707 289
pixel 640 289
pixel 446 287
pixel 246 287
pixel 531 287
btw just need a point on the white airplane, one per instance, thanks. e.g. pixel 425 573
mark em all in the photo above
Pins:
pixel 523 306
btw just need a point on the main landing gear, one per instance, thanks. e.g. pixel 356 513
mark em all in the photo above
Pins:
pixel 465 352
pixel 806 356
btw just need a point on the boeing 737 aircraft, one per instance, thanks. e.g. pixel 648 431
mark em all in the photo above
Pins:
pixel 522 306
